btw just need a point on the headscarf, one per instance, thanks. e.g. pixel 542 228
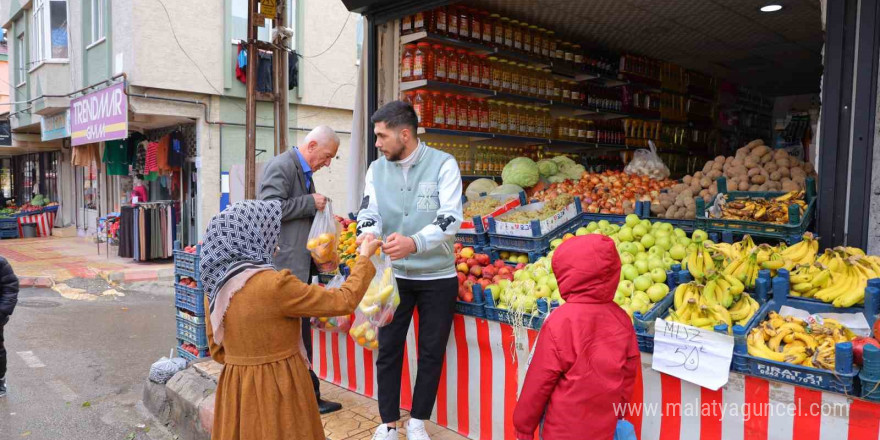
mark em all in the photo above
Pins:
pixel 241 239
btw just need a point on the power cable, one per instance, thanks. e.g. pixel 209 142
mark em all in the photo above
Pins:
pixel 334 40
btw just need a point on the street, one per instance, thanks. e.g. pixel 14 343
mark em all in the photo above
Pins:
pixel 76 367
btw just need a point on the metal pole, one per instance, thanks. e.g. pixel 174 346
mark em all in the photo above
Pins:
pixel 251 103
pixel 281 80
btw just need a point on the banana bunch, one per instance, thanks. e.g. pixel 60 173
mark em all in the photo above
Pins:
pixel 745 270
pixel 807 279
pixel 764 210
pixel 802 253
pixel 849 277
pixel 720 301
pixel 699 262
pixel 792 340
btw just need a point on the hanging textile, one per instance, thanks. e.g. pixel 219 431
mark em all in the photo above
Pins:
pixel 150 232
pixel 176 154
pixel 264 73
pixel 116 158
pixel 163 145
pixel 85 155
pixel 292 70
pixel 126 232
pixel 241 64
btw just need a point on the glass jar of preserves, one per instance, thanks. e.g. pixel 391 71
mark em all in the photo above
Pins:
pixel 496 74
pixel 488 27
pixel 568 53
pixel 527 120
pixel 463 109
pixel 548 123
pixel 438 109
pixel 578 57
pixel 503 117
pixel 537 40
pixel 512 119
pixel 581 130
pixel 439 19
pixel 439 62
pixel 476 26
pixel 526 37
pixel 452 21
pixel 409 96
pixel 464 67
pixel 485 72
pixel 406 62
pixel 566 92
pixel 558 129
pixel 576 97
pixel 549 92
pixel 572 129
pixel 560 53
pixel 451 65
pixel 591 131
pixel 515 78
pixel 492 106
pixel 506 25
pixel 504 67
pixel 497 30
pixel 485 117
pixel 540 83
pixel 473 114
pixel 533 81
pixel 517 34
pixel 476 70
pixel 421 104
pixel 451 109
pixel 547 50
pixel 406 25
pixel 464 23
pixel 423 62
pixel 420 21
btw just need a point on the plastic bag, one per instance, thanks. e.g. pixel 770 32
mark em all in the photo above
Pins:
pixel 378 306
pixel 324 239
pixel 163 369
pixel 337 324
pixel 647 163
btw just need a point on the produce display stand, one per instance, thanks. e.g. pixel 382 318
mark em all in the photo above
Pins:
pixel 485 366
pixel 189 304
pixel 44 219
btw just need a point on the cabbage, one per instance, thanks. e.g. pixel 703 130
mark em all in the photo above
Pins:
pixel 520 171
pixel 507 189
pixel 559 178
pixel 478 187
pixel 563 161
pixel 547 168
pixel 574 172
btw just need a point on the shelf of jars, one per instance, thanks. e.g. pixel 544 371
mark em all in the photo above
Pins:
pixel 477 136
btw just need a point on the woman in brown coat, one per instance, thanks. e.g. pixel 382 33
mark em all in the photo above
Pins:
pixel 265 391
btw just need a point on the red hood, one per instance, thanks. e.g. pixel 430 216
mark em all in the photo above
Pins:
pixel 587 269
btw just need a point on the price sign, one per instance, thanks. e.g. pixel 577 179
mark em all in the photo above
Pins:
pixel 693 354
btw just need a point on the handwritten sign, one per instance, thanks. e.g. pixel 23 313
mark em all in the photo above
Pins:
pixel 693 354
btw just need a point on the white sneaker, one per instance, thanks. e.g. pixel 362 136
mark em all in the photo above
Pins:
pixel 383 433
pixel 415 430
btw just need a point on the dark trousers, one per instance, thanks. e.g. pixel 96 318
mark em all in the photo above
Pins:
pixel 307 341
pixel 3 320
pixel 435 300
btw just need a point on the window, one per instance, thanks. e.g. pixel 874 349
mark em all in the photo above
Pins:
pixel 20 71
pixel 359 39
pixel 49 31
pixel 97 20
pixel 239 21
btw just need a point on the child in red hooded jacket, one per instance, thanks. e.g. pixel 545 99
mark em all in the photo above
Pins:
pixel 585 360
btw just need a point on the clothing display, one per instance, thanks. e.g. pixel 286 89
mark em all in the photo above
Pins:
pixel 241 63
pixel 176 152
pixel 264 73
pixel 146 231
pixel 163 145
pixel 116 157
pixel 85 155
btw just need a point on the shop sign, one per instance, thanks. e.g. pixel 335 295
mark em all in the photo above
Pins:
pixel 55 126
pixel 5 134
pixel 99 116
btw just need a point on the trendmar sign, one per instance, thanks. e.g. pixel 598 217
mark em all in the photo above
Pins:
pixel 99 116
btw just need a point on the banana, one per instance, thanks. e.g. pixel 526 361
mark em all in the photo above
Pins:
pixel 740 309
pixel 679 295
pixel 758 348
pixel 802 287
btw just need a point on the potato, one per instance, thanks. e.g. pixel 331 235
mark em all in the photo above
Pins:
pixel 721 159
pixel 737 162
pixel 771 167
pixel 780 154
pixel 767 158
pixel 760 150
pixel 754 188
pixel 789 186
pixel 785 172
pixel 698 175
pixel 705 182
pixel 670 213
pixel 708 166
pixel 775 176
pixel 783 163
pixel 714 174
pixel 743 186
pixel 758 179
pixel 754 172
pixel 718 166
pixel 686 180
pixel 751 162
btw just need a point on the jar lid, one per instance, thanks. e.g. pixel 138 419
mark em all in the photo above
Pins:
pixel 409 46
pixel 576 46
pixel 424 44
pixel 437 46
pixel 514 21
pixel 462 51
pixel 505 19
pixel 524 24
pixel 493 58
pixel 495 15
pixel 533 27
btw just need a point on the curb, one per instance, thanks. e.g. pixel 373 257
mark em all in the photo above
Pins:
pixel 186 402
pixel 131 276
pixel 41 281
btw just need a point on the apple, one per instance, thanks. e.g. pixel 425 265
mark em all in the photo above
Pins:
pixel 521 275
pixel 640 246
pixel 627 258
pixel 490 271
pixel 655 262
pixel 642 256
pixel 592 226
pixel 626 287
pixel 656 251
pixel 677 252
pixel 641 266
pixel 646 223
pixel 699 235
pixel 471 262
pixel 495 289
pixel 567 236
pixel 504 255
pixel 520 266
pixel 482 259
pixel 461 277
pixel 678 232
pixel 504 270
pixel 604 224
pixel 462 267
pixel 542 292
pixel 581 231
pixel 522 259
pixel 512 259
pixel 632 220
pixel 555 296
pixel 625 234
pixel 657 292
pixel 499 264
pixel 555 243
pixel 629 272
pixel 467 252
pixel 457 247
pixel 553 284
pixel 639 231
pixel 658 275
pixel 472 279
pixel 663 242
pixel 647 241
pixel 484 283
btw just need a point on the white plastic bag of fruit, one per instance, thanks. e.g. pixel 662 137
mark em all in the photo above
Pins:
pixel 323 240
pixel 647 163
pixel 336 324
pixel 378 305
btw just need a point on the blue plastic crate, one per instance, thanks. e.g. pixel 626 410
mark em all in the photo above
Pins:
pixel 532 244
pixel 644 324
pixel 189 316
pixel 474 308
pixel 842 380
pixel 203 353
pixel 643 209
pixel 495 254
pixel 8 223
pixel 9 233
pixel 186 264
pixel 480 239
pixel 870 388
pixel 192 332
pixel 192 300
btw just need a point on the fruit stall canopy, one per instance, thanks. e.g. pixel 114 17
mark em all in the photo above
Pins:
pixel 778 53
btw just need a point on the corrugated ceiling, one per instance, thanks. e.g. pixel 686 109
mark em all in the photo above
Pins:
pixel 777 53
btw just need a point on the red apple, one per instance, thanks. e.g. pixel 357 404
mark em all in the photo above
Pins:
pixel 472 279
pixel 484 283
pixel 476 270
pixel 483 259
pixel 520 266
pixel 489 271
pixel 504 270
pixel 457 247
pixel 509 276
pixel 462 267
pixel 471 262
pixel 461 277
pixel 497 278
pixel 468 285
pixel 499 263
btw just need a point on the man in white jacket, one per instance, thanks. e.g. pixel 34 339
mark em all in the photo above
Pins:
pixel 412 197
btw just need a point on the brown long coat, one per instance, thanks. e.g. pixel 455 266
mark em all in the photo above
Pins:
pixel 265 391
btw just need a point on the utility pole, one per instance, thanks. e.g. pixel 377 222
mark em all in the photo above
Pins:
pixel 279 95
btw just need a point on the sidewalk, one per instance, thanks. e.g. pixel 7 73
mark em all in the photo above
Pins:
pixel 187 403
pixel 44 261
